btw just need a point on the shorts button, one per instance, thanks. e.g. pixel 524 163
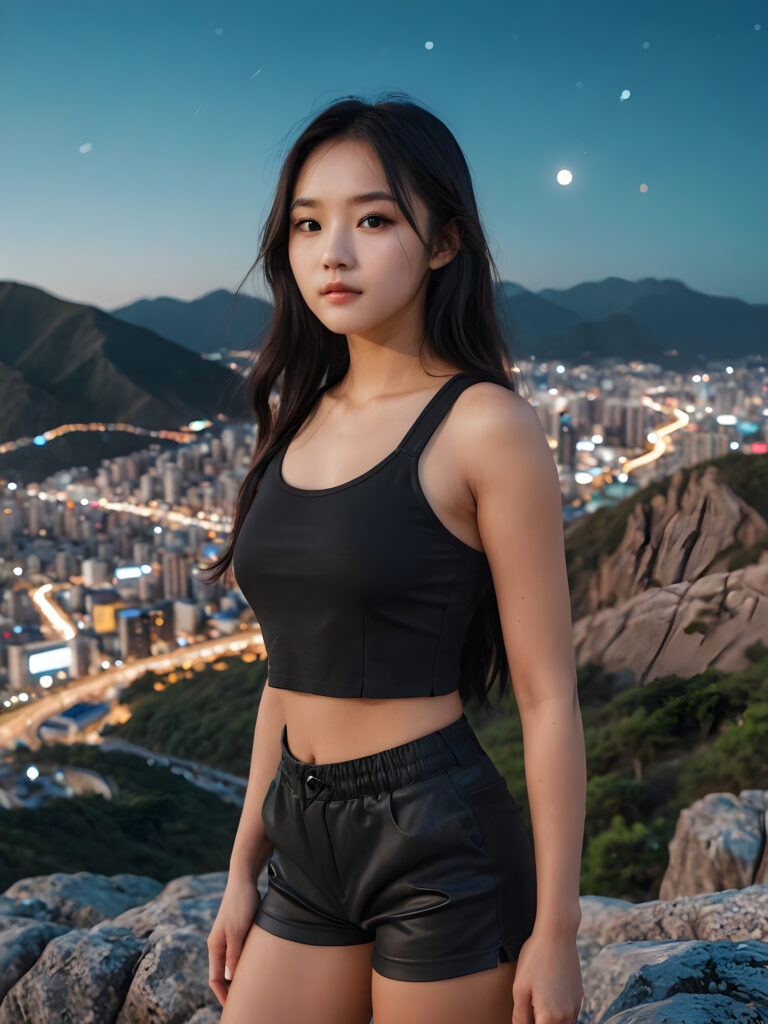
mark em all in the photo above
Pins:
pixel 313 782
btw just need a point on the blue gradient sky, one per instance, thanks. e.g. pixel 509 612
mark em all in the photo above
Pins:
pixel 189 108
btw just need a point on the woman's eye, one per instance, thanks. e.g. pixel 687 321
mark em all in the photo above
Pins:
pixel 376 216
pixel 371 216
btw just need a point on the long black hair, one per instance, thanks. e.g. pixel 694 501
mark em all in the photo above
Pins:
pixel 299 355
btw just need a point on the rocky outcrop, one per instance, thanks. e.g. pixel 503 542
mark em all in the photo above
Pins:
pixel 679 536
pixel 124 949
pixel 80 899
pixel 698 960
pixel 681 628
pixel 97 949
pixel 675 982
pixel 719 843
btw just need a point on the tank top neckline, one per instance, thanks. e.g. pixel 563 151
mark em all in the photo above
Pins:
pixel 317 491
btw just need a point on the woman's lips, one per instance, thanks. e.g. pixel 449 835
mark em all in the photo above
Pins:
pixel 340 297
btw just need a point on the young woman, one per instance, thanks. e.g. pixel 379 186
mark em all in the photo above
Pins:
pixel 399 537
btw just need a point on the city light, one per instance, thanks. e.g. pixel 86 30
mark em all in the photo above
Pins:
pixel 128 572
pixel 52 613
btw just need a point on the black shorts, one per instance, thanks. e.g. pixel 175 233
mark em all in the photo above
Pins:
pixel 420 847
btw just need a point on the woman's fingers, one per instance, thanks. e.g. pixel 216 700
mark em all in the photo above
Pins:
pixel 217 949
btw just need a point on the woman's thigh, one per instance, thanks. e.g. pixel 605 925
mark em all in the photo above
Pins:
pixel 278 981
pixel 482 996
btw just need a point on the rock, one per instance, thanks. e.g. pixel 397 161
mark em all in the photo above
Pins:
pixel 676 537
pixel 682 628
pixel 690 1009
pixel 26 906
pixel 192 900
pixel 596 914
pixel 148 963
pixel 739 915
pixel 82 898
pixel 170 981
pixel 206 1015
pixel 80 977
pixel 719 843
pixel 627 975
pixel 22 942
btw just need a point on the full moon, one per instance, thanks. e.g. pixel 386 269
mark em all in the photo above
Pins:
pixel 564 177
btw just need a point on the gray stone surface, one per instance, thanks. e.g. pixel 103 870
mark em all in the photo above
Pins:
pixel 626 975
pixel 719 843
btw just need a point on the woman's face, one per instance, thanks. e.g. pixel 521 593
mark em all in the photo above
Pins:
pixel 367 244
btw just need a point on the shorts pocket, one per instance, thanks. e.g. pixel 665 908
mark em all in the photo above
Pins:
pixel 430 807
pixel 477 777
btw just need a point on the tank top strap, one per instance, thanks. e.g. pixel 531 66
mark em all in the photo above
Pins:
pixel 435 410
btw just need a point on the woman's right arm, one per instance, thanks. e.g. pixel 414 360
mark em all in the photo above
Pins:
pixel 252 846
pixel 250 850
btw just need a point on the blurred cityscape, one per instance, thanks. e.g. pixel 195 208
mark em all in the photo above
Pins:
pixel 100 568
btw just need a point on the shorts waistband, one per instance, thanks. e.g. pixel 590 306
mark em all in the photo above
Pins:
pixel 453 745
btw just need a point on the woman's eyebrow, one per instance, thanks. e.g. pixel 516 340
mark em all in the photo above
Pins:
pixel 366 197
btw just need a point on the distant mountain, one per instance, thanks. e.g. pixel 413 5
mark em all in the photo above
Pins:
pixel 208 324
pixel 673 317
pixel 538 325
pixel 64 362
pixel 652 320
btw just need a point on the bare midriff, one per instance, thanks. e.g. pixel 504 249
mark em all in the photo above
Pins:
pixel 323 730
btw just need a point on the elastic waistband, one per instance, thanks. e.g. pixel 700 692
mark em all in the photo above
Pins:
pixel 455 744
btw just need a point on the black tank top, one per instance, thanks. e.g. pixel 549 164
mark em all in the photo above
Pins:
pixel 359 589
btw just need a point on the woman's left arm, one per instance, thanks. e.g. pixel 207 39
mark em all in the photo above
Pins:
pixel 513 477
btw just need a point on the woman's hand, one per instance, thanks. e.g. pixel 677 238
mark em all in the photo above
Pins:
pixel 547 988
pixel 233 921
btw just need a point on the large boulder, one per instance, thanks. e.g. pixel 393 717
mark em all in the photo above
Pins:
pixel 676 981
pixel 82 898
pixel 683 535
pixel 96 949
pixel 681 628
pixel 719 843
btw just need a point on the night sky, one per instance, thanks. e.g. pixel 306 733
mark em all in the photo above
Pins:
pixel 140 142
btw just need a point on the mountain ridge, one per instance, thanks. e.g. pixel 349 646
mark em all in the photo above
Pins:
pixel 64 362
